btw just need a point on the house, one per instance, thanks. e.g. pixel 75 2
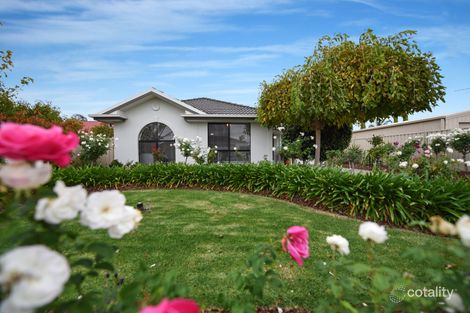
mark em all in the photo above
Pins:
pixel 400 132
pixel 153 119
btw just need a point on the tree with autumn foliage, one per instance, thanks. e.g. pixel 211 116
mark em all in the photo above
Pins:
pixel 14 110
pixel 346 82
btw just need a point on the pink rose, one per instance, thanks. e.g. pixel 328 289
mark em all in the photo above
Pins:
pixel 173 306
pixel 296 243
pixel 30 143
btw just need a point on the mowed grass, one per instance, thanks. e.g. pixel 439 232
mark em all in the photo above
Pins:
pixel 203 236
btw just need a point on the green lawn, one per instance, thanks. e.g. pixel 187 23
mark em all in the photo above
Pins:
pixel 204 235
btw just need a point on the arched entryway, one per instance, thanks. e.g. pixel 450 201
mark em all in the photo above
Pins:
pixel 156 143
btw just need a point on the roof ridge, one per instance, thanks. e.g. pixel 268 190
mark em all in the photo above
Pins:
pixel 228 102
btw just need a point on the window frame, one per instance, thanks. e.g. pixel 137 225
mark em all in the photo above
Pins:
pixel 156 141
pixel 230 151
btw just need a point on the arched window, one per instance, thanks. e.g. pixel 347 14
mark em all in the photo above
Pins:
pixel 156 143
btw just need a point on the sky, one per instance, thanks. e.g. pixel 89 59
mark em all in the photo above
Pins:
pixel 87 55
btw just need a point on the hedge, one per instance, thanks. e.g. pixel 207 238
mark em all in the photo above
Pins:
pixel 378 196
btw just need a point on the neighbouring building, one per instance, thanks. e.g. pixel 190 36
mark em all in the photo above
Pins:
pixel 400 132
pixel 153 119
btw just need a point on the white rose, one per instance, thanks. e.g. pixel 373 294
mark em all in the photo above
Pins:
pixel 460 160
pixel 399 153
pixel 126 224
pixel 372 231
pixel 302 134
pixel 467 163
pixel 22 175
pixel 450 150
pixel 103 209
pixel 66 206
pixel 274 137
pixel 445 162
pixel 107 210
pixel 454 301
pixel 315 146
pixel 415 166
pixel 403 164
pixel 274 148
pixel 285 148
pixel 7 307
pixel 338 243
pixel 33 275
pixel 463 229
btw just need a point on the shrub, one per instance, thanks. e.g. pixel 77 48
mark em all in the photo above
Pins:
pixel 334 157
pixel 353 155
pixel 332 138
pixel 460 141
pixel 398 199
pixel 93 146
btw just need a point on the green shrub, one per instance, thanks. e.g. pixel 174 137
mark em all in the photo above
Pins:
pixel 378 196
pixel 332 138
pixel 334 158
pixel 353 155
pixel 460 141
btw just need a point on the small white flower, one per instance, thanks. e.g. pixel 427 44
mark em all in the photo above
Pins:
pixel 22 175
pixel 467 163
pixel 372 231
pixel 437 144
pixel 274 137
pixel 216 147
pixel 338 243
pixel 454 301
pixel 463 229
pixel 315 146
pixel 285 148
pixel 311 137
pixel 445 162
pixel 274 149
pixel 153 265
pixel 235 148
pixel 399 153
pixel 302 134
pixel 460 160
pixel 450 150
pixel 415 166
pixel 281 128
pixel 66 206
pixel 33 276
pixel 403 164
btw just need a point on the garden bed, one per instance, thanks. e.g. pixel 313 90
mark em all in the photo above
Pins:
pixel 388 198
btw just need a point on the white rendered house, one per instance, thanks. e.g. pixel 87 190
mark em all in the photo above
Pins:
pixel 153 119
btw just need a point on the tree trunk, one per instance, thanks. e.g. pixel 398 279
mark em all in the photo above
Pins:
pixel 363 125
pixel 317 126
pixel 405 118
pixel 395 119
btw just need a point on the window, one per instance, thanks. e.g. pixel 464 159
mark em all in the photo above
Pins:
pixel 156 137
pixel 233 142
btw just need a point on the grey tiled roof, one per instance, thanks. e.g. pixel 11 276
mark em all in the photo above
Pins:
pixel 212 106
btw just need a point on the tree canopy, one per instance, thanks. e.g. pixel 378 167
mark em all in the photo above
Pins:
pixel 14 110
pixel 344 82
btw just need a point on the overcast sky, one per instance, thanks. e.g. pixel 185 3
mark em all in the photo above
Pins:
pixel 86 55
